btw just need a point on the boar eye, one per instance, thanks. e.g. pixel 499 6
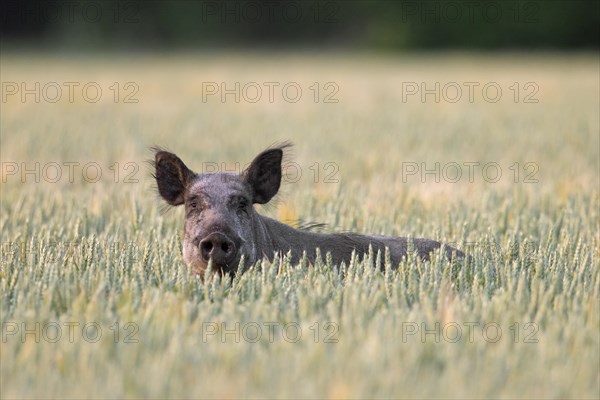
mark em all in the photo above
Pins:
pixel 242 204
pixel 193 203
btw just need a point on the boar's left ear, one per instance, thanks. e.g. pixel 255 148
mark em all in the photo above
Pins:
pixel 264 175
pixel 172 176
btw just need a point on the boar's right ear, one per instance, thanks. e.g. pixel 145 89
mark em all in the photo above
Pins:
pixel 172 176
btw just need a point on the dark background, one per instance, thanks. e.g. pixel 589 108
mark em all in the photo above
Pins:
pixel 376 24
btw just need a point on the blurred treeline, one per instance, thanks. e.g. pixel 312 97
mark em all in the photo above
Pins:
pixel 379 24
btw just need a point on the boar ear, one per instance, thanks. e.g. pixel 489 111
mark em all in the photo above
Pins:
pixel 264 175
pixel 172 176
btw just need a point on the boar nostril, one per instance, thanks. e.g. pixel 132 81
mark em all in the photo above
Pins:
pixel 206 247
pixel 225 247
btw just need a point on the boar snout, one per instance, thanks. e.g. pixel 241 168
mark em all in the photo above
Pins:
pixel 219 247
